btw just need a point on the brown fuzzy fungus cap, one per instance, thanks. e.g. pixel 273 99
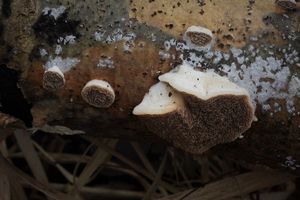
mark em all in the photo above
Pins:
pixel 212 110
pixel 98 93
pixel 287 4
pixel 53 79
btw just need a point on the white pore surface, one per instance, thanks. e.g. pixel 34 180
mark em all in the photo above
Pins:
pixel 55 69
pixel 198 29
pixel 160 99
pixel 203 85
pixel 100 84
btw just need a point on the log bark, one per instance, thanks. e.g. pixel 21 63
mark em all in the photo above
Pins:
pixel 130 43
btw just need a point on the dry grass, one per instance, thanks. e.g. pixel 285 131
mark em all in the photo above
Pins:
pixel 48 166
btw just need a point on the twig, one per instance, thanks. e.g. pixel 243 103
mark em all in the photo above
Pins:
pixel 104 192
pixel 64 172
pixel 4 187
pixel 31 156
pixel 98 159
pixel 157 178
pixel 142 156
pixel 59 157
pixel 70 158
pixel 115 166
pixel 146 163
pixel 3 148
pixel 78 163
pixel 5 133
pixel 15 173
pixel 239 186
pixel 17 191
pixel 181 171
pixel 133 165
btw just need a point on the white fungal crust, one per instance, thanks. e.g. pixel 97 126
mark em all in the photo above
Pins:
pixel 98 93
pixel 160 99
pixel 53 79
pixel 204 85
pixel 287 4
pixel 198 38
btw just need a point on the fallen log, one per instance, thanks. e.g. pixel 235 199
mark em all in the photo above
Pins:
pixel 129 44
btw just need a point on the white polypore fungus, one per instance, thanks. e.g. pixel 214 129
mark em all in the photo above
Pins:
pixel 207 93
pixel 204 109
pixel 204 85
pixel 198 38
pixel 165 114
pixel 263 75
pixel 98 93
pixel 160 99
pixel 53 79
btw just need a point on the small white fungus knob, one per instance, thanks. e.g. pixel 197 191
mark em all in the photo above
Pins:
pixel 98 93
pixel 198 37
pixel 53 79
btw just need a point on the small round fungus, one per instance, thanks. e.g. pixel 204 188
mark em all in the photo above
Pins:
pixel 287 4
pixel 98 93
pixel 198 38
pixel 53 79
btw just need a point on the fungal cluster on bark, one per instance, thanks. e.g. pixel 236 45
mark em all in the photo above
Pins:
pixel 195 110
pixel 97 93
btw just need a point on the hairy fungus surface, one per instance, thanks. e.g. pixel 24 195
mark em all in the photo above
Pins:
pixel 205 110
pixel 53 79
pixel 98 93
pixel 164 112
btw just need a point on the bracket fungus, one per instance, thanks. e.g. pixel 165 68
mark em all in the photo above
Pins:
pixel 160 100
pixel 53 79
pixel 196 110
pixel 164 112
pixel 198 38
pixel 287 4
pixel 98 93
